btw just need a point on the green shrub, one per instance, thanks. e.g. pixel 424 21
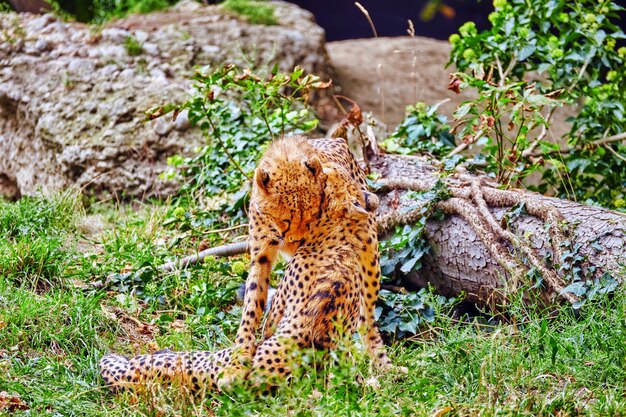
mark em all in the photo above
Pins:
pixel 536 57
pixel 239 112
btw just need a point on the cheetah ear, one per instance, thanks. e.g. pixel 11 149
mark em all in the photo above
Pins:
pixel 314 165
pixel 371 201
pixel 262 178
pixel 356 210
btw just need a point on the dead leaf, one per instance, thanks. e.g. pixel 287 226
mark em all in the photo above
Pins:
pixel 455 83
pixel 443 411
pixel 11 403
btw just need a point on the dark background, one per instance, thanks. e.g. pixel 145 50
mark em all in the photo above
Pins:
pixel 343 20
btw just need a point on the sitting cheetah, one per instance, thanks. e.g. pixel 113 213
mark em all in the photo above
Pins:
pixel 287 194
pixel 330 283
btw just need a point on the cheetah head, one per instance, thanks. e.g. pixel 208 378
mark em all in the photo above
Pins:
pixel 288 187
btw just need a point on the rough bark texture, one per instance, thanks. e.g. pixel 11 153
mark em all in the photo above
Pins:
pixel 460 261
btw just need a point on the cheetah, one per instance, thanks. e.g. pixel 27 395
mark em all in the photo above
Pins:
pixel 286 195
pixel 317 214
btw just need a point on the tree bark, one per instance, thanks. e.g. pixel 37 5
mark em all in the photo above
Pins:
pixel 467 256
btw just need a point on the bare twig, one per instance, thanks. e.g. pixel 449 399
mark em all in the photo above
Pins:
pixel 617 155
pixel 458 149
pixel 367 16
pixel 510 67
pixel 610 139
pixel 230 249
pixel 544 131
pixel 462 146
pixel 500 72
pixel 599 142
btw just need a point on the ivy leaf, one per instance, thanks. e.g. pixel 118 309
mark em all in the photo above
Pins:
pixel 576 288
pixel 462 110
pixel 526 51
pixel 408 266
pixel 409 326
pixel 599 36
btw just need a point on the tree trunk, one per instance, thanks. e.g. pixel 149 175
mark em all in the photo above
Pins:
pixel 472 253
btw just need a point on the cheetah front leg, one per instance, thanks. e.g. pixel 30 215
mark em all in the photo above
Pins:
pixel 370 286
pixel 263 252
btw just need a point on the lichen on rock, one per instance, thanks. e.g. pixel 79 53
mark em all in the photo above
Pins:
pixel 73 96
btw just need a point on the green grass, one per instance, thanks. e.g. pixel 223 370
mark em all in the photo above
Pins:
pixel 55 326
pixel 257 12
pixel 133 46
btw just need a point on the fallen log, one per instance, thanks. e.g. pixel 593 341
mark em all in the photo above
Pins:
pixel 473 251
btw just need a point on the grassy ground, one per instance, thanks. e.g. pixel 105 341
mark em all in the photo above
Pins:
pixel 55 326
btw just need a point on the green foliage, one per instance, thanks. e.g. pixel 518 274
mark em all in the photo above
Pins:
pixel 133 46
pixel 404 250
pixel 100 11
pixel 536 57
pixel 257 12
pixel 421 130
pixel 400 314
pixel 31 251
pixel 239 113
pixel 51 342
pixel 5 6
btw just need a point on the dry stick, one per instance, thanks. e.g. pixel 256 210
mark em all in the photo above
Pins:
pixel 544 131
pixel 367 16
pixel 609 139
pixel 551 278
pixel 461 147
pixel 600 142
pixel 617 155
pixel 229 249
pixel 219 251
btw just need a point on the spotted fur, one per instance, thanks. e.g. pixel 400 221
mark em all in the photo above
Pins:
pixel 308 200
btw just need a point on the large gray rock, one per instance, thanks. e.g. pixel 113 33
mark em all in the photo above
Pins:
pixel 72 99
pixel 384 75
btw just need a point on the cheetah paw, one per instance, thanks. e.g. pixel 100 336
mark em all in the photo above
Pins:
pixel 230 376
